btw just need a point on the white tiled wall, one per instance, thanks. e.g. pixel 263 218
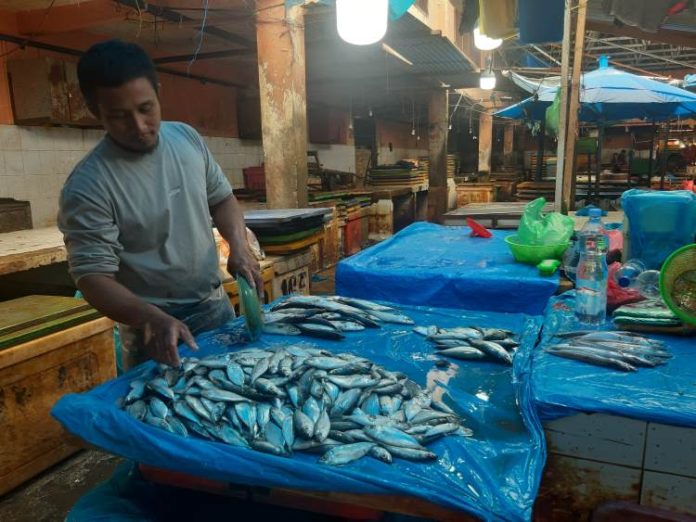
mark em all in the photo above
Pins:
pixel 386 156
pixel 35 161
pixel 335 157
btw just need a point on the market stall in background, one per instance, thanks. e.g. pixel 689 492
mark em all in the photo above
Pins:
pixel 476 234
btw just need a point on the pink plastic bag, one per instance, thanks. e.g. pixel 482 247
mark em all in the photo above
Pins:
pixel 617 296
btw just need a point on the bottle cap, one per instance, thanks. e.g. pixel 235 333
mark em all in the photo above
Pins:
pixel 624 282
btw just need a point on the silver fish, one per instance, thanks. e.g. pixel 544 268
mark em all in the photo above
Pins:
pixel 381 454
pixel 464 353
pixel 158 408
pixel 176 426
pixel 160 386
pixel 229 435
pixel 353 381
pixel 392 437
pixel 412 454
pixel 493 349
pixel 182 409
pixel 347 453
pixel 197 406
pixel 218 395
pixel 235 373
pixel 322 426
pixel 592 358
pixel 137 409
pixel 281 329
pixel 303 425
pixel 260 368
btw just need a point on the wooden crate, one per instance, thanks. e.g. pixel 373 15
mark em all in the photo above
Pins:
pixel 232 290
pixel 33 376
pixel 292 274
pixel 476 193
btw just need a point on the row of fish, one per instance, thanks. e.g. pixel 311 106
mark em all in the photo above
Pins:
pixel 328 317
pixel 296 398
pixel 472 343
pixel 625 351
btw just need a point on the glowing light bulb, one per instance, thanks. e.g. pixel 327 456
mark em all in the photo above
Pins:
pixel 362 22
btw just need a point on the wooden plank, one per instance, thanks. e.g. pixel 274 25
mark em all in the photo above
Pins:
pixel 27 249
pixel 485 142
pixel 31 310
pixel 46 369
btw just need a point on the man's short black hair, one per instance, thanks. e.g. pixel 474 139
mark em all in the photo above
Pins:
pixel 111 64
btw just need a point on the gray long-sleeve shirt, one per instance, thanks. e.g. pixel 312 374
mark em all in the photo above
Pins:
pixel 145 218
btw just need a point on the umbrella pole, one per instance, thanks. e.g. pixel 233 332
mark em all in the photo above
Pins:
pixel 652 152
pixel 663 157
pixel 540 150
pixel 600 139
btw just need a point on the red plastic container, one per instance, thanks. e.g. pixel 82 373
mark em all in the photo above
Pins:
pixel 352 235
pixel 255 178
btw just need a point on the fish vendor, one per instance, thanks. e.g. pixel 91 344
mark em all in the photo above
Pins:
pixel 136 213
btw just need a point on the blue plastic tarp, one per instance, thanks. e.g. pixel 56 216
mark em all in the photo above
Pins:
pixel 433 265
pixel 563 387
pixel 659 223
pixel 493 475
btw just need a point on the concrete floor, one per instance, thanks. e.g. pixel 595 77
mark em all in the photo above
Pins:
pixel 49 497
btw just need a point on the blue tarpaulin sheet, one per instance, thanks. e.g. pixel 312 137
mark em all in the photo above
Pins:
pixel 494 474
pixel 563 387
pixel 433 265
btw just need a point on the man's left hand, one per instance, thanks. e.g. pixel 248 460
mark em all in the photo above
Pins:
pixel 246 265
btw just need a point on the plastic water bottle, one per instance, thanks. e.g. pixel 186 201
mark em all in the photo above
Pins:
pixel 593 236
pixel 591 288
pixel 592 273
pixel 627 275
pixel 633 275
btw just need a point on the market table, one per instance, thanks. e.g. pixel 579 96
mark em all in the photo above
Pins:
pixel 27 249
pixel 616 435
pixel 492 475
pixel 442 266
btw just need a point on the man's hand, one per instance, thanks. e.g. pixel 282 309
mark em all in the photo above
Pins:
pixel 161 337
pixel 243 263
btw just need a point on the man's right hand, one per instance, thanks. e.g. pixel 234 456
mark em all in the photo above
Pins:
pixel 161 336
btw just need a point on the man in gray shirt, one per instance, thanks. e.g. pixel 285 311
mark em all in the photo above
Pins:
pixel 136 214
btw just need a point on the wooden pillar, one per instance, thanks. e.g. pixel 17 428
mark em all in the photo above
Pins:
pixel 485 141
pixel 508 141
pixel 438 121
pixel 570 106
pixel 281 59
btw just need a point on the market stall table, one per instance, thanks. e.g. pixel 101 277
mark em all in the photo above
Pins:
pixel 624 435
pixel 444 266
pixel 493 474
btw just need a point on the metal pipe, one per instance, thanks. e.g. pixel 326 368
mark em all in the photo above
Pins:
pixel 23 42
pixel 645 53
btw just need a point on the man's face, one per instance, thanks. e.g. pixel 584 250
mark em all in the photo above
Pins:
pixel 130 114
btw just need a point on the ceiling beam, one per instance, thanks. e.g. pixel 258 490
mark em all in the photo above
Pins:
pixel 174 16
pixel 678 38
pixel 205 56
pixel 65 18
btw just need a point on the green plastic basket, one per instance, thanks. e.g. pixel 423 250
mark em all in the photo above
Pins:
pixel 678 283
pixel 534 254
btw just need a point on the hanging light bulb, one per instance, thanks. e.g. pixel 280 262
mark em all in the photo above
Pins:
pixel 483 42
pixel 487 79
pixel 362 22
pixel 413 131
pixel 369 112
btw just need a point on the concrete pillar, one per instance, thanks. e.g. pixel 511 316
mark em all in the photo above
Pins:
pixel 281 58
pixel 508 141
pixel 438 120
pixel 485 141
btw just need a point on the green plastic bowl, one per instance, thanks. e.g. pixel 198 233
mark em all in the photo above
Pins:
pixel 534 254
pixel 674 271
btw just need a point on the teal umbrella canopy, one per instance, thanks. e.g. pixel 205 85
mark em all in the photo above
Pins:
pixel 608 94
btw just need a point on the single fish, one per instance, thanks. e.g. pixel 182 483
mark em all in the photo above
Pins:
pixel 160 386
pixel 493 349
pixel 346 454
pixel 381 454
pixel 392 437
pixel 353 381
pixel 321 331
pixel 268 387
pixel 197 406
pixel 218 395
pixel 137 409
pixel 176 426
pixel 183 410
pixel 322 426
pixel 158 408
pixel 281 329
pixel 311 409
pixel 465 353
pixel 303 425
pixel 235 374
pixel 345 402
pixel 411 454
pixel 591 358
pixel 326 363
pixel 229 435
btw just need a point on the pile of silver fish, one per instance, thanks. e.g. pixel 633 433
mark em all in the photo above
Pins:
pixel 328 317
pixel 472 343
pixel 625 351
pixel 291 398
pixel 651 312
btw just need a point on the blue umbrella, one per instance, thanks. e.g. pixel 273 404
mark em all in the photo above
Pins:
pixel 608 94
